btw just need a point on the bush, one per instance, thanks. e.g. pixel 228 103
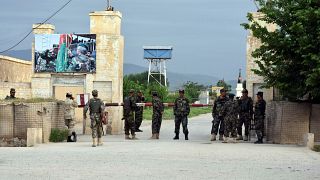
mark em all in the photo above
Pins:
pixel 316 148
pixel 58 135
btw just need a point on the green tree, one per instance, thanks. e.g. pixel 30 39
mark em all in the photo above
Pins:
pixel 289 57
pixel 192 90
pixel 222 83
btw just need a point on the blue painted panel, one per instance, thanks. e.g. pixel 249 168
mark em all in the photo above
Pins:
pixel 157 53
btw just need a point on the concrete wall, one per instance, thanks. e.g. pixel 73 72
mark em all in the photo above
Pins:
pixel 15 73
pixel 315 122
pixel 254 81
pixel 288 122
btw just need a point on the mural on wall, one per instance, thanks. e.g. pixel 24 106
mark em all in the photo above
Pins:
pixel 63 53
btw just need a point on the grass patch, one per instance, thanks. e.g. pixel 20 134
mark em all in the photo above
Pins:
pixel 168 112
pixel 58 135
pixel 316 148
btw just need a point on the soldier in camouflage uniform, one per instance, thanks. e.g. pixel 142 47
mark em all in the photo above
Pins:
pixel 218 119
pixel 69 116
pixel 158 109
pixel 181 111
pixel 128 115
pixel 259 115
pixel 96 108
pixel 246 112
pixel 139 112
pixel 230 111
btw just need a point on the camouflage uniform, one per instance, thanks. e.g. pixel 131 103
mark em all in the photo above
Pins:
pixel 129 108
pixel 181 111
pixel 96 108
pixel 246 112
pixel 139 112
pixel 157 115
pixel 259 115
pixel 230 112
pixel 69 114
pixel 217 115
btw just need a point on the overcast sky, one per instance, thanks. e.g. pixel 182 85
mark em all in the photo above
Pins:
pixel 206 34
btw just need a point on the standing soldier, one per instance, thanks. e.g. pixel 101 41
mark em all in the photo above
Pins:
pixel 139 111
pixel 128 115
pixel 246 112
pixel 259 115
pixel 69 116
pixel 181 111
pixel 96 108
pixel 218 116
pixel 12 94
pixel 158 109
pixel 230 111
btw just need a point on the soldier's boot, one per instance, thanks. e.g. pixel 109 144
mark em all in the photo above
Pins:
pixel 213 137
pixel 157 136
pixel 74 136
pixel 220 137
pixel 239 138
pixel 259 141
pixel 100 143
pixel 225 139
pixel 127 137
pixel 186 136
pixel 153 136
pixel 94 142
pixel 69 139
pixel 134 137
pixel 245 138
pixel 176 137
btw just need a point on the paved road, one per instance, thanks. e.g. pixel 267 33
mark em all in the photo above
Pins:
pixel 163 159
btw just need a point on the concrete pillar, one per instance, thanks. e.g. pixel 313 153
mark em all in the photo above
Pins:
pixel 309 140
pixel 109 63
pixel 34 136
pixel 41 82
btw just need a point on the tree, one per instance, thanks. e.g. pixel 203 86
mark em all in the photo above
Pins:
pixel 192 90
pixel 289 57
pixel 222 83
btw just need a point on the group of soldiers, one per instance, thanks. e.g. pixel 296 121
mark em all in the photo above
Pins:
pixel 229 115
pixel 133 114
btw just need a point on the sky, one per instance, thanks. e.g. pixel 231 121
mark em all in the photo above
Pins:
pixel 205 34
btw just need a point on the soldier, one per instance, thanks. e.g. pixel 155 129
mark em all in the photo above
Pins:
pixel 259 115
pixel 96 107
pixel 128 115
pixel 181 111
pixel 246 112
pixel 158 109
pixel 12 94
pixel 218 116
pixel 139 111
pixel 230 111
pixel 69 114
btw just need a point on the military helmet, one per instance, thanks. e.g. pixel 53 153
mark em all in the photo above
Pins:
pixel 244 91
pixel 131 91
pixel 223 90
pixel 95 92
pixel 154 93
pixel 231 96
pixel 260 94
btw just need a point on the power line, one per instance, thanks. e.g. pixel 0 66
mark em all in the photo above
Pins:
pixel 15 45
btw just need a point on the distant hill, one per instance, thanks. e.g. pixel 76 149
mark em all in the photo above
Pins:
pixel 176 80
pixel 20 54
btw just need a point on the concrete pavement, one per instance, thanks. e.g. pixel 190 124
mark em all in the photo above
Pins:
pixel 197 158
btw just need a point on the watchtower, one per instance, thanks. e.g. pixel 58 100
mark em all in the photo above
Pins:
pixel 157 57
